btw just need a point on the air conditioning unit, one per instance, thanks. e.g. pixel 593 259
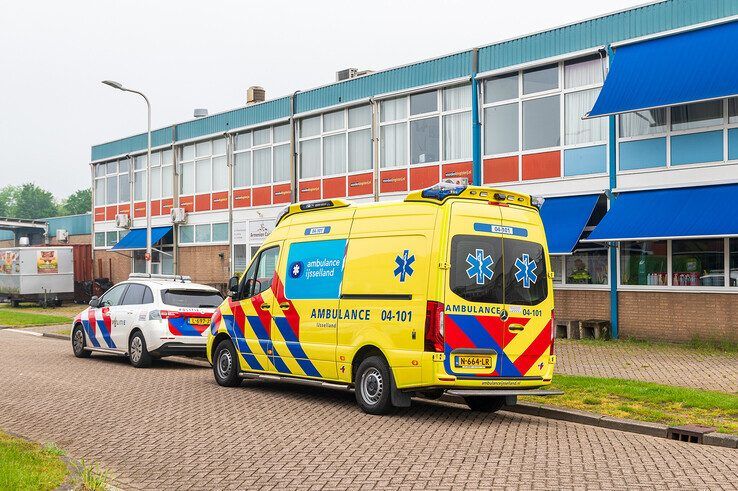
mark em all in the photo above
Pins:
pixel 62 235
pixel 122 220
pixel 179 215
pixel 346 74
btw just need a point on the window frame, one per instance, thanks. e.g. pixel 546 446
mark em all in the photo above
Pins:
pixel 195 242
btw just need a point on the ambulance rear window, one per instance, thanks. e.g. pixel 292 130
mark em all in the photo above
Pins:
pixel 196 299
pixel 476 268
pixel 525 273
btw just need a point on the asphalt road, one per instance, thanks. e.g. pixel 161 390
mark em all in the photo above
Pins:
pixel 172 427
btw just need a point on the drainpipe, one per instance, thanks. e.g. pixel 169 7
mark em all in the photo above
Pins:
pixel 375 147
pixel 294 184
pixel 175 202
pixel 612 246
pixel 92 223
pixel 476 126
pixel 229 166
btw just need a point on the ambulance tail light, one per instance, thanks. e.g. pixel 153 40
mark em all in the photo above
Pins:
pixel 553 330
pixel 434 327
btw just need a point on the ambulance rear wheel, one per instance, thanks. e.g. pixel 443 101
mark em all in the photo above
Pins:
pixel 78 342
pixel 485 404
pixel 225 364
pixel 373 386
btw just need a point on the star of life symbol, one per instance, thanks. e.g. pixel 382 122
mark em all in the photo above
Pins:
pixel 404 263
pixel 296 269
pixel 480 266
pixel 525 272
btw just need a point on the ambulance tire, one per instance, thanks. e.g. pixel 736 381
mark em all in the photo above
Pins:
pixel 79 343
pixel 485 404
pixel 138 355
pixel 225 365
pixel 374 386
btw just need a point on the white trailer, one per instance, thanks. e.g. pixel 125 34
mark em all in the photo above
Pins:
pixel 37 274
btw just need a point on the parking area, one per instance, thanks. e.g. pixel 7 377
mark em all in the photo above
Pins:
pixel 172 427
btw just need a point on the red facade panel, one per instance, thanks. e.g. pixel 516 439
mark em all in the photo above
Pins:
pixel 360 184
pixel 166 206
pixel 503 169
pixel 541 165
pixel 139 209
pixel 334 187
pixel 309 190
pixel 459 170
pixel 423 177
pixel 202 202
pixel 219 201
pixel 391 181
pixel 188 203
pixel 261 196
pixel 281 193
pixel 110 212
pixel 241 198
pixel 100 214
pixel 126 209
pixel 155 208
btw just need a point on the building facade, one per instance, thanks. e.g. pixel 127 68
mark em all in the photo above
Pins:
pixel 511 115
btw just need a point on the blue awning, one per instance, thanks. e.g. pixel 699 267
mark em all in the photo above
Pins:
pixel 564 220
pixel 704 211
pixel 136 238
pixel 686 67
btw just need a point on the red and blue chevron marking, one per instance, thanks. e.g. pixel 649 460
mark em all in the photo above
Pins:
pixel 90 328
pixel 289 328
pixel 180 326
pixel 477 332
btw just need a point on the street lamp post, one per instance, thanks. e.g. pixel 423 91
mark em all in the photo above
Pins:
pixel 119 86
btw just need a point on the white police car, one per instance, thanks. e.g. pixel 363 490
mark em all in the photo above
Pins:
pixel 145 317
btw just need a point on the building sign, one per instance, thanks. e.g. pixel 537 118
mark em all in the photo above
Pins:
pixel 252 232
pixel 47 262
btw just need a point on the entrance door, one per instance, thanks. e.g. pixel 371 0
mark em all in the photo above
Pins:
pixel 474 298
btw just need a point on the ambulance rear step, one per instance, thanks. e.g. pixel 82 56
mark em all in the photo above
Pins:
pixel 295 380
pixel 503 392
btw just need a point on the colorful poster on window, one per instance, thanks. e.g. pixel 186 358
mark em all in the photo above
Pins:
pixel 47 262
pixel 7 260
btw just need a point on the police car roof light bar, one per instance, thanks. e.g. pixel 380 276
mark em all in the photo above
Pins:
pixel 151 276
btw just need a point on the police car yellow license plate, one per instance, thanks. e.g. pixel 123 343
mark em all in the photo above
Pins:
pixel 474 361
pixel 199 321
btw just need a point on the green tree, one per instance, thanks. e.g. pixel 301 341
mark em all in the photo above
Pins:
pixel 78 202
pixel 33 202
pixel 7 200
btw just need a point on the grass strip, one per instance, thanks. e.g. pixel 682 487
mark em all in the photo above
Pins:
pixel 11 317
pixel 26 465
pixel 645 401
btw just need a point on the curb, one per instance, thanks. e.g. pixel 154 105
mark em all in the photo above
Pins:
pixel 55 336
pixel 609 422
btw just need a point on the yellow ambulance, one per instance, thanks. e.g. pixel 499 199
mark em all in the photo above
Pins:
pixel 447 292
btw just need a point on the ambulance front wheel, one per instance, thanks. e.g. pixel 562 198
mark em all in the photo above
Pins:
pixel 225 364
pixel 373 386
pixel 485 404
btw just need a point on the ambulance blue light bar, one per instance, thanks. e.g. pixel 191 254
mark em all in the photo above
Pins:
pixel 442 190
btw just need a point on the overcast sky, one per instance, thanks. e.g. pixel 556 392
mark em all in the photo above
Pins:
pixel 185 54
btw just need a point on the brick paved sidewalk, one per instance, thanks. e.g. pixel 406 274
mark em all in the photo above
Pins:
pixel 671 365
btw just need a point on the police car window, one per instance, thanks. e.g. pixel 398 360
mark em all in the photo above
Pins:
pixel 476 268
pixel 196 299
pixel 525 273
pixel 113 296
pixel 148 296
pixel 134 295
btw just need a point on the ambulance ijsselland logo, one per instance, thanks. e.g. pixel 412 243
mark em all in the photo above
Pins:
pixel 525 271
pixel 480 266
pixel 404 263
pixel 296 269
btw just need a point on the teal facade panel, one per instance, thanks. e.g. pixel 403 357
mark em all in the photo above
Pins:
pixel 620 26
pixel 733 144
pixel 585 160
pixel 643 154
pixel 697 148
pixel 162 136
pixel 424 73
pixel 74 224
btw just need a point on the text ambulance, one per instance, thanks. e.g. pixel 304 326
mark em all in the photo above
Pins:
pixel 447 291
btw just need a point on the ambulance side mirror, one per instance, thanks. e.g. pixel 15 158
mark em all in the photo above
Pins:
pixel 233 286
pixel 94 302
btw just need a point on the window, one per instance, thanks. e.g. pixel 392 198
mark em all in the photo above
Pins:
pixel 360 150
pixel 111 238
pixel 220 232
pixel 262 137
pixel 393 109
pixel 643 263
pixel 501 88
pixel 281 163
pixel 456 98
pixel 583 72
pixel 457 125
pixel 220 173
pixel 134 295
pixel 203 168
pixel 393 145
pixel 241 169
pixel 525 272
pixel 733 271
pixel 501 129
pixel 310 127
pixel 203 233
pixel 649 122
pixel 203 149
pixel 202 176
pixel 698 115
pixel 359 116
pixel 99 191
pixel 111 191
pixel 698 262
pixel 541 123
pixel 99 239
pixel 424 140
pixel 243 141
pixel 310 158
pixel 156 183
pixel 557 265
pixel 187 178
pixel 587 267
pixel 259 276
pixel 186 234
pixel 113 296
pixel 482 287
pixel 733 110
pixel 426 102
pixel 195 299
pixel 541 79
pixel 577 130
pixel 334 154
pixel 124 182
pixel 262 166
pixel 282 133
pixel 333 121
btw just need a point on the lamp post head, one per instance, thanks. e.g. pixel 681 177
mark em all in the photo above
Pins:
pixel 113 84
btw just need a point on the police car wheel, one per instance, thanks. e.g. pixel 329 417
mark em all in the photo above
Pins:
pixel 485 404
pixel 225 365
pixel 78 342
pixel 373 386
pixel 137 352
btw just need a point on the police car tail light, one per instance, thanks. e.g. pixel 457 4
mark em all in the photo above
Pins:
pixel 434 327
pixel 164 314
